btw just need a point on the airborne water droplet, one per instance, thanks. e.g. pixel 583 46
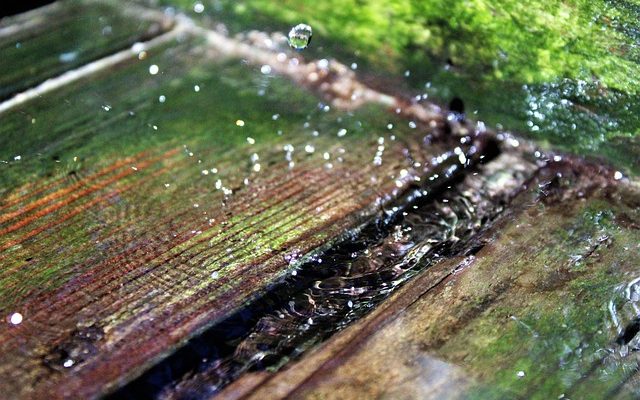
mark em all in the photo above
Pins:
pixel 300 36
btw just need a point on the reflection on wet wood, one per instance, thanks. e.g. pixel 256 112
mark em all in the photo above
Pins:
pixel 543 307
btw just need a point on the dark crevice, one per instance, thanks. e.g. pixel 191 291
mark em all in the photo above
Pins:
pixel 630 331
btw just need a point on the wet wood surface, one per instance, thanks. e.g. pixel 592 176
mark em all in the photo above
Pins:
pixel 147 201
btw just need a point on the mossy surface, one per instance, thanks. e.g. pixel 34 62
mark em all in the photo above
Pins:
pixel 563 72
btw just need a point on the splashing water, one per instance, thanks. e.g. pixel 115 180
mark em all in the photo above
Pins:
pixel 300 36
pixel 356 276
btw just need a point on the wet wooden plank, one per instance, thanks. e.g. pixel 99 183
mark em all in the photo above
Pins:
pixel 545 309
pixel 146 202
pixel 64 35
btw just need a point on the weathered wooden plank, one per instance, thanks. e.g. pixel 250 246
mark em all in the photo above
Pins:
pixel 545 309
pixel 146 202
pixel 64 35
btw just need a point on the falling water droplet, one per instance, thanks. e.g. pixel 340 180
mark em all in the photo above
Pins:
pixel 300 36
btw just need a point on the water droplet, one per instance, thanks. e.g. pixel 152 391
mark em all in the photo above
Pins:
pixel 15 318
pixel 68 56
pixel 300 36
pixel 137 47
pixel 265 69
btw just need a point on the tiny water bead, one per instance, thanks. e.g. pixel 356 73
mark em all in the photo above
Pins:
pixel 300 36
pixel 15 318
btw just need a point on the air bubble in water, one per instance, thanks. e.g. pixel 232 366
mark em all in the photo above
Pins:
pixel 300 36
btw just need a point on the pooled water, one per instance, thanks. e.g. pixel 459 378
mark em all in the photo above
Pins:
pixel 300 36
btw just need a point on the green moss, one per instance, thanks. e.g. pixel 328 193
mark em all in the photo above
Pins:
pixel 563 72
pixel 547 308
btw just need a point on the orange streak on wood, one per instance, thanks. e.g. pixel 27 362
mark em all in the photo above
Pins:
pixel 35 190
pixel 73 197
pixel 62 192
pixel 107 266
pixel 4 273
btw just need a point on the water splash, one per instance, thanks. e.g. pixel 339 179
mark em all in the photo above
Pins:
pixel 345 283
